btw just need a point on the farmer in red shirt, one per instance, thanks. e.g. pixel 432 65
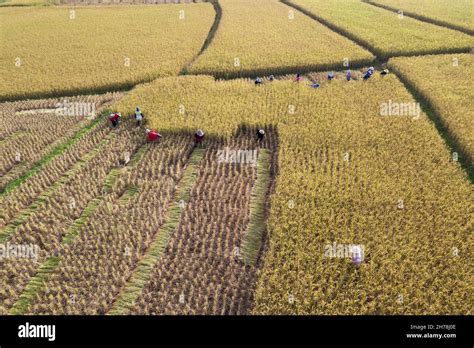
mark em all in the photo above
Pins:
pixel 152 136
pixel 198 137
pixel 114 118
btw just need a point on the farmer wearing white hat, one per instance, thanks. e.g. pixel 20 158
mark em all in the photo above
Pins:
pixel 198 137
pixel 260 135
pixel 384 72
pixel 138 116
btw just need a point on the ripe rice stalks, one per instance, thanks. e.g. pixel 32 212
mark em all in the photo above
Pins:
pixel 252 243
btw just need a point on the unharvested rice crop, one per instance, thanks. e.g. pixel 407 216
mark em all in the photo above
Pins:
pixel 268 37
pixel 455 14
pixel 347 175
pixel 445 81
pixel 386 33
pixel 99 49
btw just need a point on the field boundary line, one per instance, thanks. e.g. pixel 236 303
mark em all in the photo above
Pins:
pixel 286 70
pixel 422 18
pixel 34 285
pixel 41 199
pixel 210 36
pixel 451 141
pixel 142 272
pixel 18 5
pixel 361 42
pixel 364 44
pixel 114 88
pixel 253 238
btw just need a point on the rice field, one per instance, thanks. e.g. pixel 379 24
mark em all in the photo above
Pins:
pixel 267 37
pixel 49 47
pixel 387 34
pixel 452 14
pixel 444 81
pixel 356 199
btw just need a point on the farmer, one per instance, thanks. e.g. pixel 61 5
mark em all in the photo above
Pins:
pixel 315 85
pixel 298 78
pixel 260 135
pixel 258 81
pixel 384 72
pixel 271 78
pixel 198 137
pixel 152 136
pixel 114 119
pixel 369 73
pixel 330 76
pixel 138 116
pixel 348 75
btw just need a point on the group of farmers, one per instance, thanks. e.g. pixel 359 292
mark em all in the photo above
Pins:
pixel 153 136
pixel 330 76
